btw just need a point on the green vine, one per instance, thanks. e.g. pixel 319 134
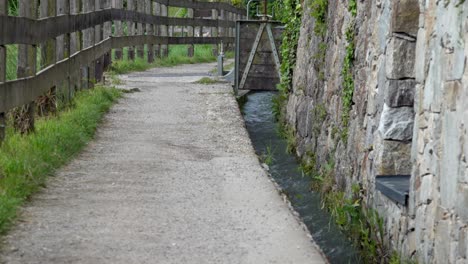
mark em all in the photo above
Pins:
pixel 347 72
pixel 288 12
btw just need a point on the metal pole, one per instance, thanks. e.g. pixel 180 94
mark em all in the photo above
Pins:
pixel 248 7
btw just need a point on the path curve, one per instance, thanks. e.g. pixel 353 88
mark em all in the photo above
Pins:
pixel 171 177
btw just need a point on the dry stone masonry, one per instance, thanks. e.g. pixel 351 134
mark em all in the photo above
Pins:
pixel 409 115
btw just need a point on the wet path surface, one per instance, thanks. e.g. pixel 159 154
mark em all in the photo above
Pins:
pixel 284 168
pixel 171 177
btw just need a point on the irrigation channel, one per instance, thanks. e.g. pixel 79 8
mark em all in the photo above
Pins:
pixel 284 168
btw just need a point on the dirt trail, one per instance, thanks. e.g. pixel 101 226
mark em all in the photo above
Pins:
pixel 170 178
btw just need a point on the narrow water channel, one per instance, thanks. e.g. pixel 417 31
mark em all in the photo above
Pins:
pixel 284 168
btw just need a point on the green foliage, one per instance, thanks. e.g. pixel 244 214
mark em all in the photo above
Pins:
pixel 177 55
pixel 207 80
pixel 13 7
pixel 287 132
pixel 268 157
pixel 347 72
pixel 290 13
pixel 308 164
pixel 26 161
pixel 319 13
pixel 364 225
pixel 352 8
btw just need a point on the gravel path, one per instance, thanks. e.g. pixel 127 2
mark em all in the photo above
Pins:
pixel 170 178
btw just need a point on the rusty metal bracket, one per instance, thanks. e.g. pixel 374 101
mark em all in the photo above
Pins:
pixel 252 55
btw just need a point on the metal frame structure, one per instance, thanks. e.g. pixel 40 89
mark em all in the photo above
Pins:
pixel 264 24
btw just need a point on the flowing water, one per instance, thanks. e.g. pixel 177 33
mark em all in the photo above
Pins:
pixel 284 168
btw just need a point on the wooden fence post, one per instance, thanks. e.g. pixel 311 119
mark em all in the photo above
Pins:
pixel 164 47
pixel 131 29
pixel 190 33
pixel 214 30
pixel 47 102
pixel 107 32
pixel 222 15
pixel 157 29
pixel 88 41
pixel 118 4
pixel 149 30
pixel 141 28
pixel 75 46
pixel 98 63
pixel 3 11
pixel 27 57
pixel 62 45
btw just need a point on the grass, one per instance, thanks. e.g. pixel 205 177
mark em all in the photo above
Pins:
pixel 268 156
pixel 177 55
pixel 207 80
pixel 26 161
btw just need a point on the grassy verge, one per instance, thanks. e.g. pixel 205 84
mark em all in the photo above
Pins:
pixel 26 161
pixel 177 55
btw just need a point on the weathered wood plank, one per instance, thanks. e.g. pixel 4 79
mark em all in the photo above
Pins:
pixel 98 36
pixel 164 33
pixel 18 92
pixel 20 30
pixel 3 11
pixel 47 9
pixel 88 41
pixel 214 30
pixel 157 12
pixel 75 44
pixel 107 33
pixel 118 4
pixel 27 56
pixel 131 29
pixel 190 33
pixel 149 30
pixel 140 28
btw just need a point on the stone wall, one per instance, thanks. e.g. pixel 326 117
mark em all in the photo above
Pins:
pixel 410 105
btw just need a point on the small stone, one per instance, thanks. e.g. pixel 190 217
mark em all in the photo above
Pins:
pixel 397 123
pixel 400 61
pixel 400 93
pixel 406 17
pixel 451 93
pixel 462 203
pixel 394 158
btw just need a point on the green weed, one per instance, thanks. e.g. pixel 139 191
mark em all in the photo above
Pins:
pixel 26 161
pixel 207 80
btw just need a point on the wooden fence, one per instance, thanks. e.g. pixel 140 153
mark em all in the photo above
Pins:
pixel 76 39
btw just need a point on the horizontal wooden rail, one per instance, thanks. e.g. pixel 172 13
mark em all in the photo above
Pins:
pixel 64 46
pixel 202 5
pixel 19 92
pixel 20 30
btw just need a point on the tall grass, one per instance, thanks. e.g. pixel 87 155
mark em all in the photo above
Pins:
pixel 177 55
pixel 26 161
